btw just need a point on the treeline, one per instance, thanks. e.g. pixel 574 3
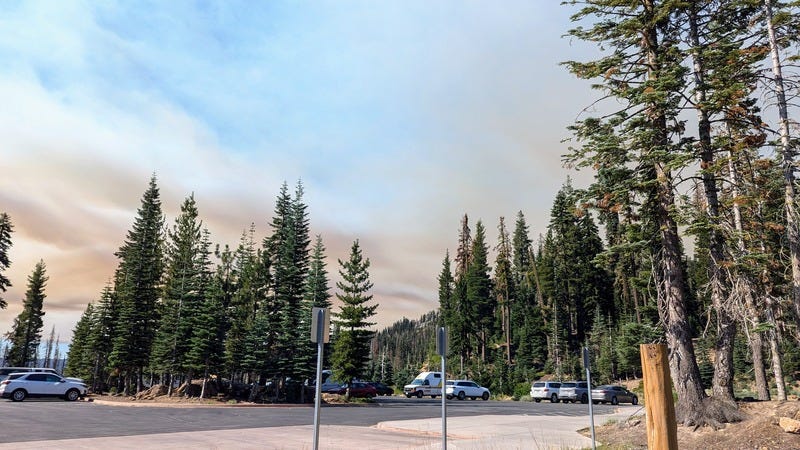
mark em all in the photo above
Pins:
pixel 692 142
pixel 529 311
pixel 180 308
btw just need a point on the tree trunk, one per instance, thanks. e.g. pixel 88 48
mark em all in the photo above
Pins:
pixel 757 349
pixel 777 358
pixel 787 157
pixel 671 277
pixel 722 387
pixel 755 338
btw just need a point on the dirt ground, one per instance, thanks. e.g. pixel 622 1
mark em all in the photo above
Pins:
pixel 758 431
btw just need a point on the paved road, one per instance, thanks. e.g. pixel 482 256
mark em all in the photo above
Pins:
pixel 35 420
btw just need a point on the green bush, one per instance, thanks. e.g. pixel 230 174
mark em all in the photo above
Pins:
pixel 521 390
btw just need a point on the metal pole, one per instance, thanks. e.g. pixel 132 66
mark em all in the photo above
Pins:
pixel 444 390
pixel 318 390
pixel 589 385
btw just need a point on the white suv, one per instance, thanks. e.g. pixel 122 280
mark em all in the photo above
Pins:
pixel 18 386
pixel 462 389
pixel 545 390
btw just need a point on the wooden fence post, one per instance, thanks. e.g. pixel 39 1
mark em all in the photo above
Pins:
pixel 662 428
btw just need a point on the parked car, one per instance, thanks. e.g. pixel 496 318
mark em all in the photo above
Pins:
pixel 19 386
pixel 613 395
pixel 6 371
pixel 359 389
pixel 381 388
pixel 329 385
pixel 462 389
pixel 541 390
pixel 574 391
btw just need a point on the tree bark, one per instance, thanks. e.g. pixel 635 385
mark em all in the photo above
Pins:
pixel 777 357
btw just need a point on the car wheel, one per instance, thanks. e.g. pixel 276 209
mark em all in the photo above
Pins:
pixel 596 402
pixel 408 395
pixel 72 395
pixel 584 398
pixel 18 395
pixel 462 395
pixel 537 400
pixel 554 398
pixel 449 397
pixel 614 401
pixel 433 396
pixel 485 396
pixel 635 400
pixel 419 394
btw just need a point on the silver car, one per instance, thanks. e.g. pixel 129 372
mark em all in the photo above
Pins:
pixel 614 395
pixel 574 391
pixel 19 386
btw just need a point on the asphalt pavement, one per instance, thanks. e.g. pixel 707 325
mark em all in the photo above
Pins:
pixel 483 432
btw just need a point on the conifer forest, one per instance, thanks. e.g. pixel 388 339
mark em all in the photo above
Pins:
pixel 688 235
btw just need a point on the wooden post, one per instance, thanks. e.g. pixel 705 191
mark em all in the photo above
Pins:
pixel 662 429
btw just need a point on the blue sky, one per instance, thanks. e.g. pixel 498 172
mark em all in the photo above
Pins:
pixel 398 117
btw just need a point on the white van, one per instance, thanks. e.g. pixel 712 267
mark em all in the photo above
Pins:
pixel 426 383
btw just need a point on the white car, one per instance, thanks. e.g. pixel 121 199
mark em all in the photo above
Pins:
pixel 542 390
pixel 462 389
pixel 19 386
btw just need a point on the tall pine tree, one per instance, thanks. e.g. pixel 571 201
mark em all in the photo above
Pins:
pixel 26 333
pixel 351 350
pixel 138 289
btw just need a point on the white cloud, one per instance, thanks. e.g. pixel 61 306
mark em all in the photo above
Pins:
pixel 399 118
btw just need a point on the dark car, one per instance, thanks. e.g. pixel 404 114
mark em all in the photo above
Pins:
pixel 359 389
pixel 381 388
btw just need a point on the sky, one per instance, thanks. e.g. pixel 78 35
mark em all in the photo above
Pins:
pixel 398 117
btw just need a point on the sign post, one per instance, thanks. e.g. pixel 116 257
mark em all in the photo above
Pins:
pixel 441 349
pixel 587 365
pixel 320 333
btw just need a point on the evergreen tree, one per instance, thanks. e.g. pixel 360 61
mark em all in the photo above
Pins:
pixel 644 71
pixel 79 357
pixel 5 243
pixel 351 350
pixel 183 292
pixel 479 290
pixel 26 333
pixel 460 321
pixel 242 308
pixel 316 295
pixel 103 326
pixel 445 292
pixel 205 353
pixel 138 288
pixel 505 286
pixel 288 249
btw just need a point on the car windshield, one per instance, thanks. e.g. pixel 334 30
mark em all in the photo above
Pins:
pixel 568 385
pixel 538 384
pixel 449 382
pixel 416 382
